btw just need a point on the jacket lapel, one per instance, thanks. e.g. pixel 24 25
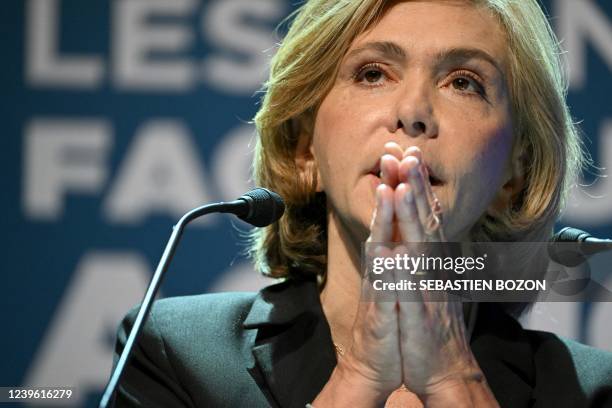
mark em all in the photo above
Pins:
pixel 292 351
pixel 505 355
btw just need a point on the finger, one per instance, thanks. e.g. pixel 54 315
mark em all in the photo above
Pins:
pixel 389 167
pixel 394 150
pixel 410 167
pixel 411 151
pixel 412 316
pixel 428 188
pixel 407 166
pixel 422 190
pixel 406 212
pixel 416 347
pixel 416 152
pixel 381 229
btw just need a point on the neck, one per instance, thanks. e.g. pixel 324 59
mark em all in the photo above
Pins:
pixel 340 296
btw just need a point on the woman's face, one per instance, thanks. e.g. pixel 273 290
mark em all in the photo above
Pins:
pixel 431 75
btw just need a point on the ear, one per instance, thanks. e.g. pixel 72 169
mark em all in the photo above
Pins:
pixel 305 159
pixel 514 182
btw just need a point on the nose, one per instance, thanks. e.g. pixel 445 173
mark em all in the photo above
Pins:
pixel 415 112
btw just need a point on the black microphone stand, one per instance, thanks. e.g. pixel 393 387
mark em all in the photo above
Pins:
pixel 237 207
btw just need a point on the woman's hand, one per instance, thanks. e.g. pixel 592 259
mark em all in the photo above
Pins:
pixel 419 345
pixel 371 369
pixel 437 362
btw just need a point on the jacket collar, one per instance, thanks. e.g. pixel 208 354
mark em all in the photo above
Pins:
pixel 505 355
pixel 291 345
pixel 283 302
pixel 293 354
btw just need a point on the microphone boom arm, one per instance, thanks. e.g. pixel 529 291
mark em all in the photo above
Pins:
pixel 156 279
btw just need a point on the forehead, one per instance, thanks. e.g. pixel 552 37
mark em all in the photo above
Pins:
pixel 426 27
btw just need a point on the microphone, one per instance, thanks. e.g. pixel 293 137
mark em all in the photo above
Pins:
pixel 569 234
pixel 574 255
pixel 259 207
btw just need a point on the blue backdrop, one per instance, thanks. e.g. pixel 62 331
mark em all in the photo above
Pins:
pixel 120 115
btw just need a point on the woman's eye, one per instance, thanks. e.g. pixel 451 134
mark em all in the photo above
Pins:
pixel 466 84
pixel 370 74
pixel 461 84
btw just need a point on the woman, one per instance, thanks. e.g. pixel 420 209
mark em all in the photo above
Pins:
pixel 387 121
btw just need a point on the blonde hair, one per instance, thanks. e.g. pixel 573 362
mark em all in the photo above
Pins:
pixel 303 71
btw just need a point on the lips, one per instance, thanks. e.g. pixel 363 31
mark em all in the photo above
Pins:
pixel 376 169
pixel 434 180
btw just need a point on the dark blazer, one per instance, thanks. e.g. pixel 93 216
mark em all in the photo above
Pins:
pixel 274 348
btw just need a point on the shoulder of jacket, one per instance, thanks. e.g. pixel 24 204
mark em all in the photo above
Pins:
pixel 181 312
pixel 593 366
pixel 224 302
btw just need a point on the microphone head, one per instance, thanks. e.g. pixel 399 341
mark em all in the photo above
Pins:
pixel 569 234
pixel 265 207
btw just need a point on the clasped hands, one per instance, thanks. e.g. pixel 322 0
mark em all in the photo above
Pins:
pixel 420 346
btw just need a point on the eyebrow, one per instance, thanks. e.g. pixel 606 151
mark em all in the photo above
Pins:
pixel 459 55
pixel 386 48
pixel 454 55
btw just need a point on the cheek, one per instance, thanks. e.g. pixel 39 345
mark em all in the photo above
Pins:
pixel 333 141
pixel 482 175
pixel 491 163
pixel 342 140
pixel 323 147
